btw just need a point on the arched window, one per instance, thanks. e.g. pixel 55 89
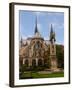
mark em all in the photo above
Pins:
pixel 37 45
pixel 26 62
pixel 45 62
pixel 33 62
pixel 39 62
pixel 52 48
pixel 20 61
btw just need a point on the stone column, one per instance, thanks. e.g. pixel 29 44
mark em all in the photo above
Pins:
pixel 36 61
pixel 30 62
pixel 23 61
pixel 43 62
pixel 53 63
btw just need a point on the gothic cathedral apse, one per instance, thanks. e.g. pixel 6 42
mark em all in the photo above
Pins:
pixel 35 51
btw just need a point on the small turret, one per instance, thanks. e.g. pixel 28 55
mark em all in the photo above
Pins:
pixel 21 42
pixel 52 35
pixel 53 58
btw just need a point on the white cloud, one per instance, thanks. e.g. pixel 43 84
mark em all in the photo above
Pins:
pixel 55 13
pixel 37 13
pixel 30 35
pixel 59 43
pixel 49 13
pixel 46 38
pixel 56 25
pixel 61 26
pixel 24 37
pixel 58 13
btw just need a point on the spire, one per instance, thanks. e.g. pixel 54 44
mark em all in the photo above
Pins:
pixel 51 29
pixel 36 33
pixel 21 42
pixel 36 29
pixel 52 34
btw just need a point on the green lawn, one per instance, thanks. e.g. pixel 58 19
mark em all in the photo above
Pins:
pixel 40 75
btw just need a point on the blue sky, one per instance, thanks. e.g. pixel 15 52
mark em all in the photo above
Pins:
pixel 27 21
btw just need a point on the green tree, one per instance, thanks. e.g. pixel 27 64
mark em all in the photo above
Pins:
pixel 60 55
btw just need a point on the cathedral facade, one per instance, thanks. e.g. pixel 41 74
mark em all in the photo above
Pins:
pixel 35 51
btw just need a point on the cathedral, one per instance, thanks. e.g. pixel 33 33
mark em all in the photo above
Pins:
pixel 35 51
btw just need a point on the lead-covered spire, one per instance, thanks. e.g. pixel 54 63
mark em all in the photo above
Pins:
pixel 37 34
pixel 36 29
pixel 52 34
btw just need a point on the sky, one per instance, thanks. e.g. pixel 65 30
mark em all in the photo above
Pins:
pixel 27 22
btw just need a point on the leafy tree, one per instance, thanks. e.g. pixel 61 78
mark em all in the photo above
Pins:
pixel 60 55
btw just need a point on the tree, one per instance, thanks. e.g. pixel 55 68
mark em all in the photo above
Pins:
pixel 60 55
